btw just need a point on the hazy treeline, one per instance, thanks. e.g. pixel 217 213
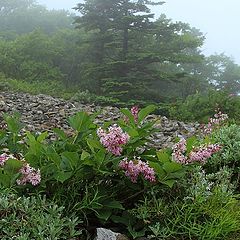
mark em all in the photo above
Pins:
pixel 113 48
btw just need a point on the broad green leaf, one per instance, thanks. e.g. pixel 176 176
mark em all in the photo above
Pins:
pixel 169 182
pixel 30 137
pixel 42 137
pixel 55 158
pixel 80 121
pixel 104 213
pixel 12 166
pixel 5 180
pixel 164 156
pixel 157 168
pixel 129 115
pixel 145 112
pixel 62 176
pixel 170 167
pixel 191 142
pixel 13 122
pixel 132 132
pixel 60 133
pixel 94 144
pixel 100 157
pixel 114 204
pixel 84 155
pixel 71 159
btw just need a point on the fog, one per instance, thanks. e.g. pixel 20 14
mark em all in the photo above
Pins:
pixel 218 20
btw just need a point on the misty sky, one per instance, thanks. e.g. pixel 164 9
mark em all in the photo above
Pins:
pixel 218 20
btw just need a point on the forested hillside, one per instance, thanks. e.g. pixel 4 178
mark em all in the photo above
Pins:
pixel 115 49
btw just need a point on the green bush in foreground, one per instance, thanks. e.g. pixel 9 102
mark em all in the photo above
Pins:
pixel 25 218
pixel 204 207
pixel 107 176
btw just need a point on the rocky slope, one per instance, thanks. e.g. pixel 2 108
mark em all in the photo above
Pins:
pixel 43 112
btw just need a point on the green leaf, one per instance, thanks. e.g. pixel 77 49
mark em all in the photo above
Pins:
pixel 5 180
pixel 92 143
pixel 80 121
pixel 42 137
pixel 132 132
pixel 100 157
pixel 129 115
pixel 62 176
pixel 104 214
pixel 12 166
pixel 114 204
pixel 70 159
pixel 164 156
pixel 157 168
pixel 134 233
pixel 169 182
pixel 190 143
pixel 55 158
pixel 170 167
pixel 61 134
pixel 13 122
pixel 84 155
pixel 145 112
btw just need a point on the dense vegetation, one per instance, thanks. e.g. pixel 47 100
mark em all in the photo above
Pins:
pixel 106 176
pixel 116 53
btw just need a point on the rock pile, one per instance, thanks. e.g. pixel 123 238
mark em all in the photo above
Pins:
pixel 41 112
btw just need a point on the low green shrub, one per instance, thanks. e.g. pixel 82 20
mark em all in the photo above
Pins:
pixel 204 207
pixel 229 138
pixel 52 88
pixel 200 107
pixel 24 218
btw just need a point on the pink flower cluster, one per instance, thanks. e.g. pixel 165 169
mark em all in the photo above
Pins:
pixel 29 175
pixel 113 139
pixel 214 122
pixel 134 111
pixel 135 167
pixel 179 150
pixel 4 157
pixel 200 154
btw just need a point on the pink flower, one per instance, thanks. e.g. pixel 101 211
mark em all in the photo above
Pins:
pixel 204 152
pixel 215 122
pixel 3 158
pixel 29 175
pixel 178 151
pixel 200 154
pixel 113 139
pixel 134 111
pixel 136 167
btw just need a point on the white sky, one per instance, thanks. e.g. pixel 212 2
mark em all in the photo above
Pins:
pixel 219 20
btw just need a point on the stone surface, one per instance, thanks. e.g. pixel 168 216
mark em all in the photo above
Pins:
pixel 106 234
pixel 41 112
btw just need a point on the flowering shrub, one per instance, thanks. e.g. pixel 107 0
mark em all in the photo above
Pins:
pixel 198 154
pixel 135 167
pixel 215 122
pixel 113 139
pixel 19 167
pixel 29 175
pixel 83 171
